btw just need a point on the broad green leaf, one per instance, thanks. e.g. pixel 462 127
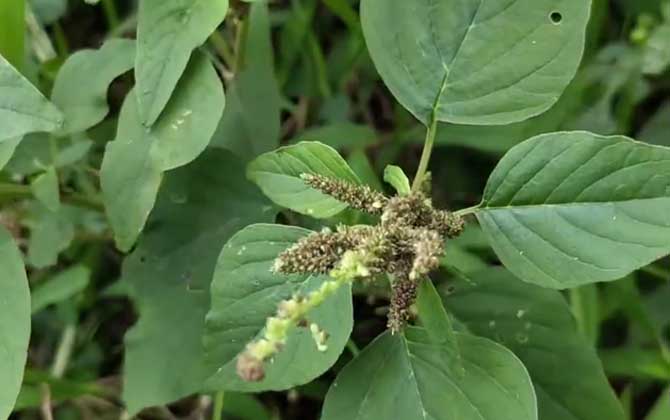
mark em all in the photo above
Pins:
pixel 46 189
pixel 459 260
pixel 80 89
pixel 278 174
pixel 134 162
pixel 245 292
pixel 167 32
pixel 341 136
pixel 571 208
pixel 600 99
pixel 251 123
pixel 434 317
pixel 23 109
pixel 536 324
pixel 14 322
pixel 60 287
pixel 199 207
pixel 407 376
pixel 476 61
pixel 395 176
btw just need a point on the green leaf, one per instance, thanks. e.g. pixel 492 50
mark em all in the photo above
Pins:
pixel 278 173
pixel 410 377
pixel 536 324
pixel 395 176
pixel 245 292
pixel 23 109
pixel 46 189
pixel 199 207
pixel 251 123
pixel 7 148
pixel 473 61
pixel 80 89
pixel 14 322
pixel 167 32
pixel 341 136
pixel 571 208
pixel 135 161
pixel 60 287
pixel 434 317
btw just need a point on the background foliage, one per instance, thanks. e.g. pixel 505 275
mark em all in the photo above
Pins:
pixel 120 225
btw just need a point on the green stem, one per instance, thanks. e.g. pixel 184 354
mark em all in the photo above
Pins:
pixel 16 191
pixel 62 45
pixel 425 155
pixel 12 31
pixel 221 46
pixel 111 14
pixel 218 406
pixel 466 211
pixel 64 352
pixel 353 348
pixel 240 44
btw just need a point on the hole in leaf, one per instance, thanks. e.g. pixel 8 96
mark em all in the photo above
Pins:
pixel 556 18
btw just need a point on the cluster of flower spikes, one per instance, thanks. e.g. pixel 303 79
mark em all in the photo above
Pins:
pixel 406 244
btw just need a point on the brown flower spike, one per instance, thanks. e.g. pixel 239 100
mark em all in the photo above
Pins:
pixel 407 245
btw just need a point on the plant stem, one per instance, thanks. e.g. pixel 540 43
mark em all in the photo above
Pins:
pixel 218 406
pixel 16 191
pixel 111 14
pixel 12 31
pixel 466 211
pixel 425 155
pixel 353 348
pixel 240 44
pixel 221 46
pixel 656 272
pixel 62 358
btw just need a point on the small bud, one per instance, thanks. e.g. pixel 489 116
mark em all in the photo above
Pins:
pixel 428 248
pixel 447 223
pixel 320 337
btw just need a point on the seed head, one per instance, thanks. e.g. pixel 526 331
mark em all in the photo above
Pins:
pixel 403 296
pixel 359 197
